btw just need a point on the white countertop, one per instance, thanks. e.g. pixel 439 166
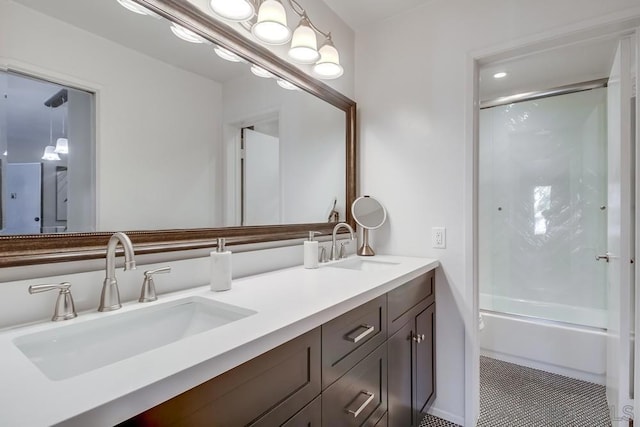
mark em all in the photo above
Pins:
pixel 288 303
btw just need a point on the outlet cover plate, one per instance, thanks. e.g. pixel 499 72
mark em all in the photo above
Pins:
pixel 439 237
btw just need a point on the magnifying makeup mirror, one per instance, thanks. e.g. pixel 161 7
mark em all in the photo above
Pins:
pixel 369 214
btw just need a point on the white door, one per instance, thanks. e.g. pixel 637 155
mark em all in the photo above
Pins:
pixel 619 239
pixel 261 192
pixel 23 198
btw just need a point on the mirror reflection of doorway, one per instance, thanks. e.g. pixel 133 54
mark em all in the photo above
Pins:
pixel 47 146
pixel 260 170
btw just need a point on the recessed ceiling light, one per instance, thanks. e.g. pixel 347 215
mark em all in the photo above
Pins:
pixel 500 75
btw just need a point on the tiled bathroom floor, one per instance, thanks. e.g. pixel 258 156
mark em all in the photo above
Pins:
pixel 515 396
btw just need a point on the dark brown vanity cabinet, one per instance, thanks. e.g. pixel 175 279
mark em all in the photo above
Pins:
pixel 265 391
pixel 411 351
pixel 372 366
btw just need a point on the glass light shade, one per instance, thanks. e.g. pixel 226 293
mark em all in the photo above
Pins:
pixel 304 46
pixel 5 153
pixel 226 54
pixel 50 154
pixel 260 72
pixel 286 85
pixel 185 34
pixel 134 7
pixel 328 66
pixel 62 146
pixel 232 10
pixel 271 27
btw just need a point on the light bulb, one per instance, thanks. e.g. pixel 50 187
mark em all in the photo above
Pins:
pixel 328 66
pixel 271 27
pixel 500 75
pixel 304 47
pixel 50 154
pixel 261 72
pixel 232 10
pixel 185 34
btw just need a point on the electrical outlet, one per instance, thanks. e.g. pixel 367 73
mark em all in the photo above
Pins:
pixel 439 237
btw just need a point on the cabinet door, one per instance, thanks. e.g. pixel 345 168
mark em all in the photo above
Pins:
pixel 279 382
pixel 400 382
pixel 424 360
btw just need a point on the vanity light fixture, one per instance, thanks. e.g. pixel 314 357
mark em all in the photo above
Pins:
pixel 5 152
pixel 233 10
pixel 49 150
pixel 286 85
pixel 185 34
pixel 328 66
pixel 304 46
pixel 227 54
pixel 500 75
pixel 271 27
pixel 261 72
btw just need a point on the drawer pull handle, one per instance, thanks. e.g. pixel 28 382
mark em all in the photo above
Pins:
pixel 370 397
pixel 367 330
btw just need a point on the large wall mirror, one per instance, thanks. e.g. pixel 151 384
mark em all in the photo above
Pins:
pixel 116 121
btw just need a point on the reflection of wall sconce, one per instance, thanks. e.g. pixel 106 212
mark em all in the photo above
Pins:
pixel 49 153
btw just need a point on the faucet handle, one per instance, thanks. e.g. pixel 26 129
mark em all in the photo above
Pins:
pixel 65 309
pixel 323 254
pixel 148 291
pixel 343 253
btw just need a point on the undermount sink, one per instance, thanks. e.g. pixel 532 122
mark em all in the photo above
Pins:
pixel 71 350
pixel 364 264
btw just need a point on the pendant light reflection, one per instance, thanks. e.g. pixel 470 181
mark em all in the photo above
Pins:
pixel 185 34
pixel 232 10
pixel 227 54
pixel 271 27
pixel 50 154
pixel 49 150
pixel 261 72
pixel 328 66
pixel 304 46
pixel 62 144
pixel 286 85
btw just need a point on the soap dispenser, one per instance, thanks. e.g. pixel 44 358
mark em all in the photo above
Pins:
pixel 220 268
pixel 311 251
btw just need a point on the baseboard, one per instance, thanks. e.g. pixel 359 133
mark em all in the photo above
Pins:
pixel 456 419
pixel 554 369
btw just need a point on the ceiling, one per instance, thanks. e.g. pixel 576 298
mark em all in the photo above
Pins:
pixel 361 13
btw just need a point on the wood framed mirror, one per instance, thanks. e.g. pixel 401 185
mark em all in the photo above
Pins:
pixel 184 233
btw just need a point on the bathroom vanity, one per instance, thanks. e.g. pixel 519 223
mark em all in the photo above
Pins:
pixel 338 374
pixel 348 342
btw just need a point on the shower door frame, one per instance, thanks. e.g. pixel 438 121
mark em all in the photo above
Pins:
pixel 605 26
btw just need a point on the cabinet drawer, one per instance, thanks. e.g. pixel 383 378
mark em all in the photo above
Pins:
pixel 309 416
pixel 350 337
pixel 359 398
pixel 402 299
pixel 279 382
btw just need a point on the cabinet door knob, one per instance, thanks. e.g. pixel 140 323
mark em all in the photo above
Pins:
pixel 418 338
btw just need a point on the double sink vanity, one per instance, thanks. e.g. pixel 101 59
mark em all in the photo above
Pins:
pixel 350 343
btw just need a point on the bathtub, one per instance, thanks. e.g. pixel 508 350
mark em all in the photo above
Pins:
pixel 562 347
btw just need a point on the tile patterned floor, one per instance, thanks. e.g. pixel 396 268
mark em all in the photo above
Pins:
pixel 515 396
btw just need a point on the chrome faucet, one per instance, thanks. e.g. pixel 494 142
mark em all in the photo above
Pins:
pixel 334 250
pixel 110 298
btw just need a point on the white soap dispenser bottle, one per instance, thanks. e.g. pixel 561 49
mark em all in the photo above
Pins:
pixel 220 268
pixel 311 251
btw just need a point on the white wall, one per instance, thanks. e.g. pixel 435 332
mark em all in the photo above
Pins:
pixel 144 108
pixel 413 93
